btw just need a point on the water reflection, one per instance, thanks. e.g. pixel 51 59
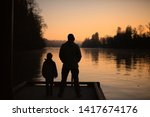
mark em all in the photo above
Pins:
pixel 94 54
pixel 26 65
pixel 124 59
pixel 124 74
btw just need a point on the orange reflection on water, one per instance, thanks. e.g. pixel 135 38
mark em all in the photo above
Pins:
pixel 123 74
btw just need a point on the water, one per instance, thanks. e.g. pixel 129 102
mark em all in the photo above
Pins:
pixel 123 74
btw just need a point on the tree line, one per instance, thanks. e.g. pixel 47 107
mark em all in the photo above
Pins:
pixel 138 38
pixel 27 25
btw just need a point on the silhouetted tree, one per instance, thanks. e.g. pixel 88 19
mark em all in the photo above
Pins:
pixel 128 32
pixel 140 29
pixel 148 27
pixel 94 42
pixel 86 43
pixel 130 38
pixel 119 30
pixel 28 25
pixel 135 34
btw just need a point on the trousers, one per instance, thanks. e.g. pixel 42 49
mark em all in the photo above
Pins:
pixel 74 73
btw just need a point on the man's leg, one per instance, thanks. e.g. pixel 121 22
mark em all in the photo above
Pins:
pixel 64 74
pixel 51 86
pixel 75 73
pixel 47 87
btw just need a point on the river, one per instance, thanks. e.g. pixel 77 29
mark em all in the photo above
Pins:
pixel 123 74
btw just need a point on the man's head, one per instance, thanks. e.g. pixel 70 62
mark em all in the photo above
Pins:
pixel 49 56
pixel 71 37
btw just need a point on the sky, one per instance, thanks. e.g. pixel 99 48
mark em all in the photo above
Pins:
pixel 85 17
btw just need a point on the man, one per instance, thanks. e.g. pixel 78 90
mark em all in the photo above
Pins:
pixel 70 55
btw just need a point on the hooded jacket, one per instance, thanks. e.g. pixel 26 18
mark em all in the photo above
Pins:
pixel 49 69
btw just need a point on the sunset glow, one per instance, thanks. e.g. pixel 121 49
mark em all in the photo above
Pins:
pixel 85 17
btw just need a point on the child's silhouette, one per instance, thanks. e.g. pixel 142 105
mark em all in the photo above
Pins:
pixel 49 72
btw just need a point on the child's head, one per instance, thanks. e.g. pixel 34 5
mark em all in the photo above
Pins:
pixel 49 56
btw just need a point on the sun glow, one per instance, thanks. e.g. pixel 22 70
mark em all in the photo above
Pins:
pixel 83 18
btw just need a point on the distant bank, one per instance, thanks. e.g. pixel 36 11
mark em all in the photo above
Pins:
pixel 56 43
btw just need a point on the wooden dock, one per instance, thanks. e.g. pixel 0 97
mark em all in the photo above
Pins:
pixel 36 90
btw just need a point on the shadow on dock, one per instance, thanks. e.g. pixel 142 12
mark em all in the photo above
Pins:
pixel 35 90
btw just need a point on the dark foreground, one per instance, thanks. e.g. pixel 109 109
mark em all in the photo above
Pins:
pixel 35 90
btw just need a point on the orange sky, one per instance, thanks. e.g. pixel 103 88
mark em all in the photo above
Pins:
pixel 85 17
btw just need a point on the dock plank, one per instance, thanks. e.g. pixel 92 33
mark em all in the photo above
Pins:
pixel 36 90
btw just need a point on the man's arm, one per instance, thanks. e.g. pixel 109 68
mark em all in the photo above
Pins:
pixel 55 70
pixel 79 56
pixel 61 54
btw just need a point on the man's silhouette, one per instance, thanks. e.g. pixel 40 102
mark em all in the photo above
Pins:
pixel 70 55
pixel 49 72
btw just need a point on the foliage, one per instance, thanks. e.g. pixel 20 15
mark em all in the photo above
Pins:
pixel 130 38
pixel 94 42
pixel 28 25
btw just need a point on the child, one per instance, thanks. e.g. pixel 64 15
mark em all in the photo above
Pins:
pixel 49 72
